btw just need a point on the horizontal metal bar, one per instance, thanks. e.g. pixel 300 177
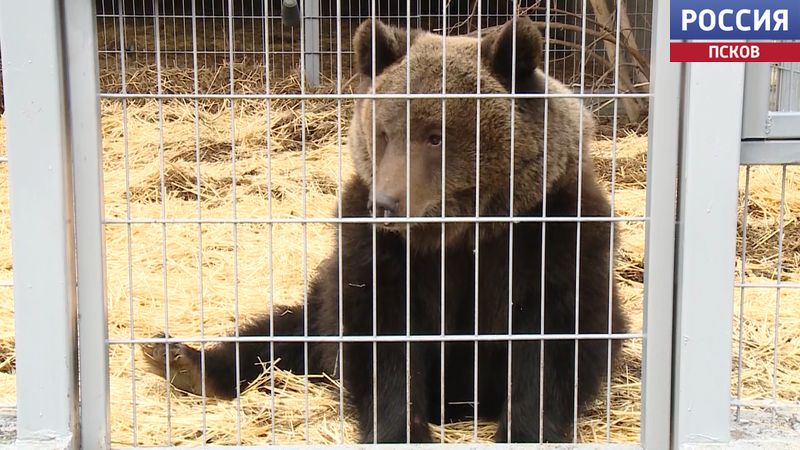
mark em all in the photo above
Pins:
pixel 331 17
pixel 377 220
pixel 774 404
pixel 333 96
pixel 166 52
pixel 175 51
pixel 767 285
pixel 784 125
pixel 370 339
pixel 6 284
pixel 225 17
pixel 770 152
pixel 3 159
pixel 170 51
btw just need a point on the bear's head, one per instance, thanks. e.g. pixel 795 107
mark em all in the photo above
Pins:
pixel 421 154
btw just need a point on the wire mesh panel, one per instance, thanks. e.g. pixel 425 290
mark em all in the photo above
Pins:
pixel 767 289
pixel 765 386
pixel 239 32
pixel 463 262
pixel 785 90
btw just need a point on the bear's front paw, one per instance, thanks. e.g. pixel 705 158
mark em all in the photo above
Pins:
pixel 183 362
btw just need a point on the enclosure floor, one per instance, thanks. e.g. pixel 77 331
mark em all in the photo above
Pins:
pixel 189 284
pixel 8 425
pixel 764 426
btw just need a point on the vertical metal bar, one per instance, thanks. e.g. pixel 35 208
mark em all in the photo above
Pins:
pixel 163 207
pixel 662 168
pixel 102 12
pixel 198 193
pixel 408 225
pixel 311 41
pixel 340 318
pixel 612 214
pixel 476 299
pixel 578 228
pixel 84 122
pixel 546 127
pixel 283 46
pixel 742 290
pixel 40 188
pixel 271 226
pixel 175 48
pixel 510 300
pixel 128 215
pixel 143 27
pixel 778 277
pixel 205 35
pixel 213 30
pixel 793 71
pixel 713 101
pixel 234 213
pixel 442 252
pixel 304 206
pixel 181 47
pixel 786 90
pixel 372 91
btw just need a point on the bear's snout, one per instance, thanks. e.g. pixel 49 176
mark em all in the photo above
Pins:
pixel 385 205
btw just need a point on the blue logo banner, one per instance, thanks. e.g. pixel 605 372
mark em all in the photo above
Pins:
pixel 735 19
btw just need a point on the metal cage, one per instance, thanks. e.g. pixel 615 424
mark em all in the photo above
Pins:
pixel 64 62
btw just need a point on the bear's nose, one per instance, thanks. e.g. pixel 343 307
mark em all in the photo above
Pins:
pixel 385 205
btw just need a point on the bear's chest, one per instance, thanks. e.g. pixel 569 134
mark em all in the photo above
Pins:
pixel 465 285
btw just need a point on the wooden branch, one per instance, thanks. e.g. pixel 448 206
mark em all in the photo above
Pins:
pixel 627 31
pixel 606 33
pixel 631 105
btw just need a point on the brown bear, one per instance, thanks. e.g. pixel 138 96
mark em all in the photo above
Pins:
pixel 557 270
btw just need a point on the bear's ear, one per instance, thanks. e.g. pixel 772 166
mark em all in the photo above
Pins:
pixel 524 61
pixel 390 46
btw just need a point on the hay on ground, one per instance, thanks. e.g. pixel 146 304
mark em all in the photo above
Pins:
pixel 190 284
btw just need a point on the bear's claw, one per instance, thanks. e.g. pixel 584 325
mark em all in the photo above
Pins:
pixel 184 367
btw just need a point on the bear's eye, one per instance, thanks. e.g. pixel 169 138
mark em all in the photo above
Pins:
pixel 435 140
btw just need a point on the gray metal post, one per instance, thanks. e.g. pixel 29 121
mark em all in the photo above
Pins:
pixel 662 169
pixel 755 120
pixel 40 181
pixel 84 122
pixel 711 135
pixel 311 52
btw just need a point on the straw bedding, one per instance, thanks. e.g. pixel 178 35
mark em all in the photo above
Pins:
pixel 184 277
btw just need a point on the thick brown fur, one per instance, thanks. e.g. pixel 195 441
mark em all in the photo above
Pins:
pixel 559 275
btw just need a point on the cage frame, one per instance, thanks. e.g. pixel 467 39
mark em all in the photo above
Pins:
pixel 769 136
